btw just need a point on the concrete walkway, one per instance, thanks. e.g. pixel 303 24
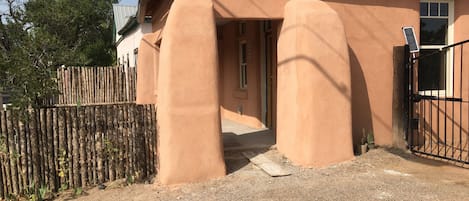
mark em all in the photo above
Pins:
pixel 237 136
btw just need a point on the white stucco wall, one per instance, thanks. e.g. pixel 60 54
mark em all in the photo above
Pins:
pixel 130 42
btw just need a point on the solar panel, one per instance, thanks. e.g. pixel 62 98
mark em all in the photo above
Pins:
pixel 410 39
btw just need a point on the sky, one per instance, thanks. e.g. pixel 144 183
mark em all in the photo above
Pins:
pixel 3 6
pixel 129 2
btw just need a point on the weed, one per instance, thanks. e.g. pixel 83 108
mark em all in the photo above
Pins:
pixel 78 191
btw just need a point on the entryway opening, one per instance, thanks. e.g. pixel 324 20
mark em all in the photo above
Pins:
pixel 247 51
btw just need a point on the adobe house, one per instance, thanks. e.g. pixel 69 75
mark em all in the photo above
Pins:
pixel 317 72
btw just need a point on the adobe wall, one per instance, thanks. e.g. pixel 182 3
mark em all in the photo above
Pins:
pixel 189 134
pixel 461 28
pixel 314 111
pixel 249 9
pixel 461 33
pixel 373 29
pixel 147 71
pixel 241 105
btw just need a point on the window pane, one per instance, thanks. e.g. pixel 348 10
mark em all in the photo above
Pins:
pixel 433 31
pixel 243 53
pixel 423 9
pixel 433 9
pixel 245 76
pixel 242 28
pixel 431 72
pixel 443 9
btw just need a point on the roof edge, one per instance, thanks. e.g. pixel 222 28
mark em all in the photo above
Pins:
pixel 141 10
pixel 130 25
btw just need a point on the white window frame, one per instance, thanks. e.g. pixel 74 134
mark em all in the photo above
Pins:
pixel 243 66
pixel 449 54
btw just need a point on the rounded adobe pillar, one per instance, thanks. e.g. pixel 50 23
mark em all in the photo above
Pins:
pixel 189 132
pixel 147 70
pixel 314 126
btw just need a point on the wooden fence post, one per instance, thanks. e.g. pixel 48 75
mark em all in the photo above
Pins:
pixel 3 156
pixel 82 145
pixel 35 148
pixel 98 138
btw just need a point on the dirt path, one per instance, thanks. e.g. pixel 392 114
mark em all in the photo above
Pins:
pixel 378 175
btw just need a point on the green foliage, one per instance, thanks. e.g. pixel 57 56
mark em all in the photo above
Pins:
pixel 110 149
pixel 44 191
pixel 33 194
pixel 24 73
pixel 78 191
pixel 130 180
pixel 371 138
pixel 63 167
pixel 3 147
pixel 63 187
pixel 80 29
pixel 38 36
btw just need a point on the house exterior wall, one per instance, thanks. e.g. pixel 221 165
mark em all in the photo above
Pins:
pixel 461 22
pixel 148 61
pixel 249 9
pixel 129 43
pixel 372 33
pixel 369 36
pixel 373 29
pixel 461 33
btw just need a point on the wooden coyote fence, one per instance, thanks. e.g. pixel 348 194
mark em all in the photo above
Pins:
pixel 86 85
pixel 69 147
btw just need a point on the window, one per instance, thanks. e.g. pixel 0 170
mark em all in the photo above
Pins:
pixel 243 65
pixel 267 25
pixel 242 28
pixel 436 31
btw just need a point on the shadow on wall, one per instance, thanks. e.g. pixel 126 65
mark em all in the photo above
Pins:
pixel 361 110
pixel 386 3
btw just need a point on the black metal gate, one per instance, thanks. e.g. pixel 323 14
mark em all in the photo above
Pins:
pixel 438 95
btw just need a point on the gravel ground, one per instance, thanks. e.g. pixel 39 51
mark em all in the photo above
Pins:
pixel 380 174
